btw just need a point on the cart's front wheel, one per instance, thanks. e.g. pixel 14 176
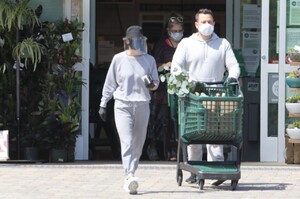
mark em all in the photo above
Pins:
pixel 201 184
pixel 179 177
pixel 234 184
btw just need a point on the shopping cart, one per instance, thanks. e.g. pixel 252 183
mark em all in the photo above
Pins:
pixel 215 118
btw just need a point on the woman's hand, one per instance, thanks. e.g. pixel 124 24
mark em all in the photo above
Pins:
pixel 167 64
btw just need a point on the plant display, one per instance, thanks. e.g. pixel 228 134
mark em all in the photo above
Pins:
pixel 28 49
pixel 62 85
pixel 14 16
pixel 294 74
pixel 293 99
pixel 293 54
pixel 295 124
pixel 20 55
pixel 45 55
pixel 62 40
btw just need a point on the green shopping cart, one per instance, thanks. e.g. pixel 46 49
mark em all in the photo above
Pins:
pixel 212 118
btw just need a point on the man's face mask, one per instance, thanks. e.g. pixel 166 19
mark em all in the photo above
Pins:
pixel 206 29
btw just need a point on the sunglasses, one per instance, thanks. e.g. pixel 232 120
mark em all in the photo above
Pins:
pixel 176 19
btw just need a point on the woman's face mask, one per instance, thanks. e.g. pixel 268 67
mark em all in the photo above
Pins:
pixel 176 36
pixel 206 29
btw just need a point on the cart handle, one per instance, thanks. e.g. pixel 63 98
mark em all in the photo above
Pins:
pixel 213 83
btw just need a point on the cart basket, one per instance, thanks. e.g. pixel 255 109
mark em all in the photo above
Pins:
pixel 216 117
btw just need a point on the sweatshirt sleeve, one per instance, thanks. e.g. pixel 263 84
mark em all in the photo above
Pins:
pixel 154 74
pixel 231 62
pixel 110 83
pixel 178 61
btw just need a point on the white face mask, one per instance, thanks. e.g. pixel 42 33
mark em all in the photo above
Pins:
pixel 176 36
pixel 206 29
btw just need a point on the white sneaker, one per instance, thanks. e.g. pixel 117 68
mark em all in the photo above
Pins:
pixel 131 184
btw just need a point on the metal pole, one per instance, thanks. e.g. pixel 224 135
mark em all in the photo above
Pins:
pixel 18 100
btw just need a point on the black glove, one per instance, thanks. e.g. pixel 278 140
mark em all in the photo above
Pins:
pixel 102 113
pixel 232 85
pixel 231 80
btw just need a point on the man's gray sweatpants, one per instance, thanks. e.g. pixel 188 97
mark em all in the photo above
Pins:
pixel 131 121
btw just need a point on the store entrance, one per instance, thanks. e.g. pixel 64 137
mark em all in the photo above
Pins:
pixel 111 21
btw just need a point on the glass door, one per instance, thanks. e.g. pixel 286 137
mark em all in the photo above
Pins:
pixel 274 69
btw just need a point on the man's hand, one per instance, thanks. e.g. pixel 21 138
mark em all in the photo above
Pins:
pixel 102 113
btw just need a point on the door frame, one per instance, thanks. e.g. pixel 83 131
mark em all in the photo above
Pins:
pixel 273 148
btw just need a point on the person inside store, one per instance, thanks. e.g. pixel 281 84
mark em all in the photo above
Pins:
pixel 206 57
pixel 97 78
pixel 131 76
pixel 161 127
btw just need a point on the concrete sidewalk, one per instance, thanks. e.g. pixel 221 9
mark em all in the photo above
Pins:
pixel 89 180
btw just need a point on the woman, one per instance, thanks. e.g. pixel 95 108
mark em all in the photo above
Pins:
pixel 131 76
pixel 160 128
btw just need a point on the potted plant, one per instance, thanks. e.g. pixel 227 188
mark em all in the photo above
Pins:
pixel 293 79
pixel 62 88
pixel 293 56
pixel 63 119
pixel 293 104
pixel 293 130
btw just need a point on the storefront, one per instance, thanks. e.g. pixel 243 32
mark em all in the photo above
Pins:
pixel 260 31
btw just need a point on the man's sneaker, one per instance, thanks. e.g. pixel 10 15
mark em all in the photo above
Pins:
pixel 192 179
pixel 131 185
pixel 218 182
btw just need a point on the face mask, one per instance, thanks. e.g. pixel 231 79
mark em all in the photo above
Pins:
pixel 176 36
pixel 206 29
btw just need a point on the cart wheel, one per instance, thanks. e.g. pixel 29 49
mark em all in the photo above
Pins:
pixel 179 177
pixel 201 184
pixel 234 184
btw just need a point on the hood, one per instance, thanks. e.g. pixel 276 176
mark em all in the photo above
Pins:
pixel 195 36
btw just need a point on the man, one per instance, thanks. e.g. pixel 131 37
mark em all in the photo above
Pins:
pixel 204 56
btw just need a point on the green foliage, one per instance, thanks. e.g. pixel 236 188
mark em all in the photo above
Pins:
pixel 178 82
pixel 62 85
pixel 64 53
pixel 293 99
pixel 14 14
pixel 293 55
pixel 294 74
pixel 28 49
pixel 61 101
pixel 50 85
pixel 295 124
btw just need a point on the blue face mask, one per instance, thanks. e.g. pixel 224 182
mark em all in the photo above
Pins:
pixel 176 36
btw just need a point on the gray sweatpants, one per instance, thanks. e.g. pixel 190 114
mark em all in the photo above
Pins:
pixel 214 152
pixel 131 121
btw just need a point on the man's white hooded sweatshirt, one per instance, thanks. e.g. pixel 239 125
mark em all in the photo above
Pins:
pixel 205 61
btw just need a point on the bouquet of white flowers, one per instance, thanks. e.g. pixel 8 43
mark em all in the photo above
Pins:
pixel 177 82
